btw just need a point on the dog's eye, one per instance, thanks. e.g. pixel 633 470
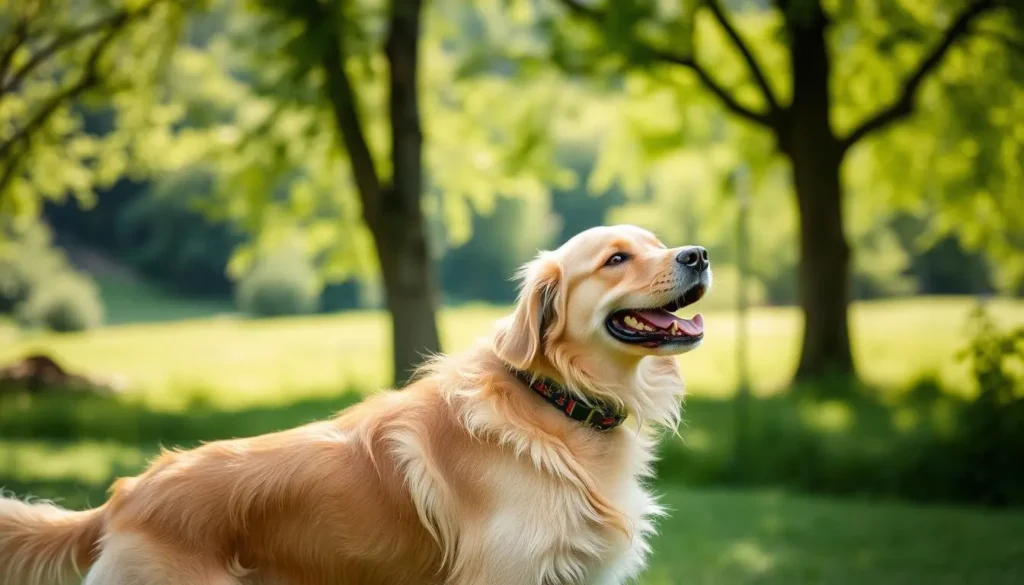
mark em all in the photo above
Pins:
pixel 617 258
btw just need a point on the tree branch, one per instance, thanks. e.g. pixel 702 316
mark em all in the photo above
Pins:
pixel 90 77
pixel 342 98
pixel 748 55
pixel 904 104
pixel 766 119
pixel 115 21
pixel 18 38
pixel 63 39
pixel 723 95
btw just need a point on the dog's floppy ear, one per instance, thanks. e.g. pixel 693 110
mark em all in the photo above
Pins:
pixel 539 314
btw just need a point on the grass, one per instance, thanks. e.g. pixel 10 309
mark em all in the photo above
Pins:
pixel 730 537
pixel 220 377
pixel 826 446
pixel 130 301
pixel 712 536
pixel 234 362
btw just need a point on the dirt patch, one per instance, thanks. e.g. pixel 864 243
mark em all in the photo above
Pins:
pixel 39 373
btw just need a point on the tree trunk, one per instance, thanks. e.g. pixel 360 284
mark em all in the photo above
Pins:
pixel 824 268
pixel 816 155
pixel 391 211
pixel 410 291
pixel 399 228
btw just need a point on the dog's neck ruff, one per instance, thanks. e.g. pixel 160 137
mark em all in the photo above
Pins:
pixel 602 417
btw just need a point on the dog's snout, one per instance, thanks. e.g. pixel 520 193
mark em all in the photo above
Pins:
pixel 695 257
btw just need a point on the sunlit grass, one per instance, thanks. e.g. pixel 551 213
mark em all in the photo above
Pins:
pixel 234 361
pixel 87 462
pixel 712 536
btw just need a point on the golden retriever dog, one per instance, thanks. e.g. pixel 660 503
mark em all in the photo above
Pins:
pixel 522 461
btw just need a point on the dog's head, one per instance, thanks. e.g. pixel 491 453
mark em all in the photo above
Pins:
pixel 593 309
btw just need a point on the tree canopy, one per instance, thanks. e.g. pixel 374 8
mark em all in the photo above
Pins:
pixel 59 57
pixel 706 87
pixel 872 126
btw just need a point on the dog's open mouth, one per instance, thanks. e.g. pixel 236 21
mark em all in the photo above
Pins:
pixel 653 327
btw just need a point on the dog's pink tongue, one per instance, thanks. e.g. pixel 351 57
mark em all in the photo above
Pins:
pixel 664 320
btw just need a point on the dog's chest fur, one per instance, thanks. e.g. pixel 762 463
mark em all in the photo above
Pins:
pixel 546 528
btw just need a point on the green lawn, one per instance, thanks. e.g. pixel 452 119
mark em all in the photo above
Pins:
pixel 712 537
pixel 219 377
pixel 719 537
pixel 134 302
pixel 726 537
pixel 233 361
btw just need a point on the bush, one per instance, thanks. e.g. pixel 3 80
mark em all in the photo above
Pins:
pixel 27 261
pixel 283 283
pixel 16 284
pixel 929 446
pixel 69 302
pixel 981 461
pixel 39 288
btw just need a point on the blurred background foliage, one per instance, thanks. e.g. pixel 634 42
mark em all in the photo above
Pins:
pixel 173 168
pixel 246 121
pixel 223 146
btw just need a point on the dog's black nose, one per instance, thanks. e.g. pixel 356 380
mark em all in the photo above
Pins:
pixel 695 257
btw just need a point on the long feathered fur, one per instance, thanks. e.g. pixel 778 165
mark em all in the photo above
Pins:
pixel 464 477
pixel 43 543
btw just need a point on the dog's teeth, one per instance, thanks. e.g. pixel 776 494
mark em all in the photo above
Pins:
pixel 675 329
pixel 633 323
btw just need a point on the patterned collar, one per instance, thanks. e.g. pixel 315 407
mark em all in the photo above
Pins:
pixel 602 417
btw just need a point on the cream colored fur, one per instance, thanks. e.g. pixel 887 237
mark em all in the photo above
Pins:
pixel 465 477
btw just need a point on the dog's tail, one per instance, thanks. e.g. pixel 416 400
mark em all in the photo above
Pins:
pixel 42 544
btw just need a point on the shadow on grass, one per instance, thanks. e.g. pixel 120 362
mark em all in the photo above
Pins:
pixel 741 537
pixel 52 425
pixel 76 418
pixel 802 443
pixel 923 445
pixel 861 445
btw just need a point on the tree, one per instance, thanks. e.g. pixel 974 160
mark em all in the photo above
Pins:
pixel 314 116
pixel 390 208
pixel 802 39
pixel 54 56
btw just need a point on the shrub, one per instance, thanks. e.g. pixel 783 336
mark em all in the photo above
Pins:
pixel 928 446
pixel 15 284
pixel 982 458
pixel 27 262
pixel 283 283
pixel 39 288
pixel 69 302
